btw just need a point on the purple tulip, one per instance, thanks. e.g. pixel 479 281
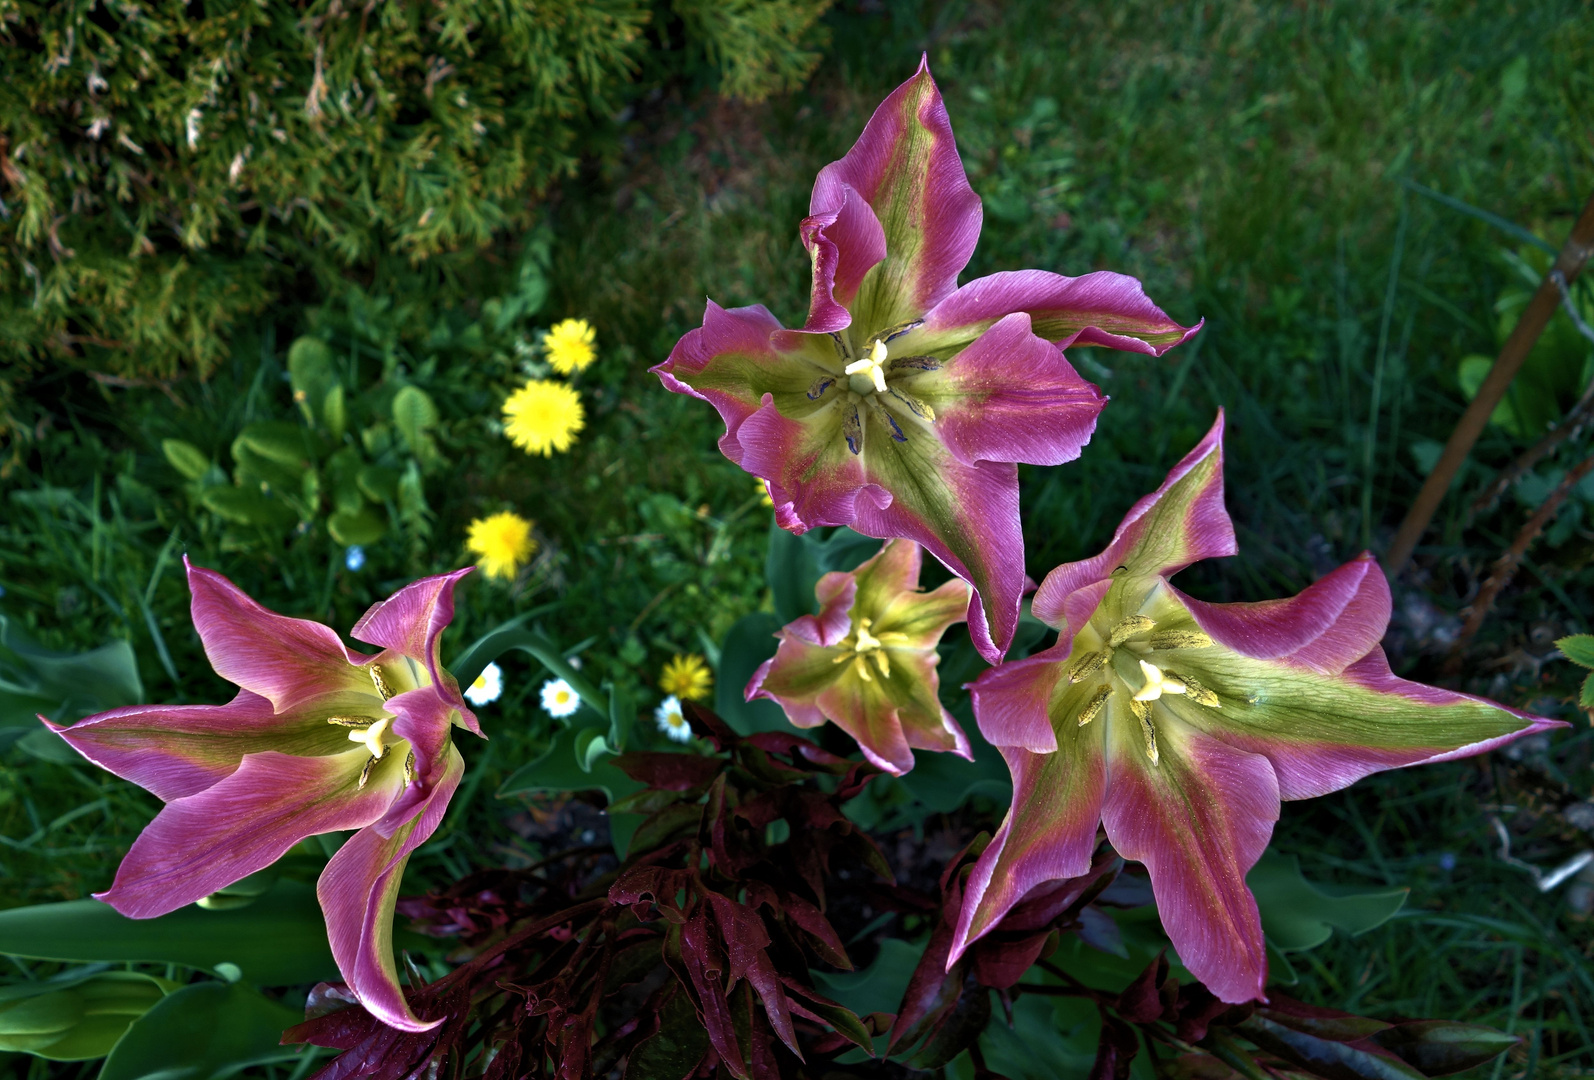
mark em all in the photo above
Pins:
pixel 902 405
pixel 1179 725
pixel 867 661
pixel 319 739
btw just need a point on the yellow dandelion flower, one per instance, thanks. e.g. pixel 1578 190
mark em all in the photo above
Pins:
pixel 570 345
pixel 501 543
pixel 544 416
pixel 687 677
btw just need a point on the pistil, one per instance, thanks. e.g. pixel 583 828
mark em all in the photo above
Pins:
pixel 868 375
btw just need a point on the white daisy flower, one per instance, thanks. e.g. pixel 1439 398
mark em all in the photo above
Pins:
pixel 487 687
pixel 671 721
pixel 559 698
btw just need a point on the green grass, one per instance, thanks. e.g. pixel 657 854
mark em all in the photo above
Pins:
pixel 1244 160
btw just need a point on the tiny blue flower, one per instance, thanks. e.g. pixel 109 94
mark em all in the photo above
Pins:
pixel 1447 861
pixel 354 558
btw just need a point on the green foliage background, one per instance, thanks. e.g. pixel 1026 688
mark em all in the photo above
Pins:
pixel 1246 160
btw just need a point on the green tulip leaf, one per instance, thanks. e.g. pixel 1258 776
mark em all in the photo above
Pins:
pixel 1298 914
pixel 279 940
pixel 186 458
pixel 207 1031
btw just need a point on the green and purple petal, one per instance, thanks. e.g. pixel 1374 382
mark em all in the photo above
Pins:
pixel 245 822
pixel 1049 833
pixel 1102 308
pixel 1181 522
pixel 289 662
pixel 1198 820
pixel 1328 626
pixel 1008 396
pixel 906 167
pixel 844 243
pixel 1324 732
pixel 175 751
pixel 889 716
pixel 360 885
pixel 411 623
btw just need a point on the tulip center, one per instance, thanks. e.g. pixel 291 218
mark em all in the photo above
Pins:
pixel 1137 635
pixel 375 734
pixel 871 387
pixel 864 647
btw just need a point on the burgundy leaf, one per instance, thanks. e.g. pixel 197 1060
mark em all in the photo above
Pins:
pixel 667 771
pixel 1117 1049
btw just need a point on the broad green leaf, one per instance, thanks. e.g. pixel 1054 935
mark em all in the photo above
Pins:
pixel 791 571
pixel 415 414
pixel 311 373
pixel 379 483
pixel 1586 698
pixel 1578 648
pixel 245 507
pixel 343 475
pixel 366 526
pixel 186 458
pixel 878 987
pixel 62 686
pixel 559 771
pixel 944 782
pixel 279 940
pixel 1297 914
pixel 749 642
pixel 279 441
pixel 207 1031
pixel 77 1016
pixel 1049 1037
pixel 335 413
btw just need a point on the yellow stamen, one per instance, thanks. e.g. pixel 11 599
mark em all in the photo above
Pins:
pixel 1179 639
pixel 365 773
pixel 882 663
pixel 1088 665
pixel 869 370
pixel 1158 682
pixel 1094 705
pixel 1151 735
pixel 351 721
pixel 1198 693
pixel 409 767
pixel 380 683
pixel 1135 624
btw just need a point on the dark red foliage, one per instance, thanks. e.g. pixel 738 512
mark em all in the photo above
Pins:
pixel 691 959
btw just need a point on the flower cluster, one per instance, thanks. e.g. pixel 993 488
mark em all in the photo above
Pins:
pixel 901 408
pixel 544 416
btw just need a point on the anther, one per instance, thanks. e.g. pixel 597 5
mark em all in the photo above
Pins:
pixel 380 683
pixel 852 429
pixel 1197 692
pixel 351 721
pixel 1143 714
pixel 1135 624
pixel 1179 639
pixel 1094 705
pixel 1088 665
pixel 820 385
pixel 365 773
pixel 409 767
